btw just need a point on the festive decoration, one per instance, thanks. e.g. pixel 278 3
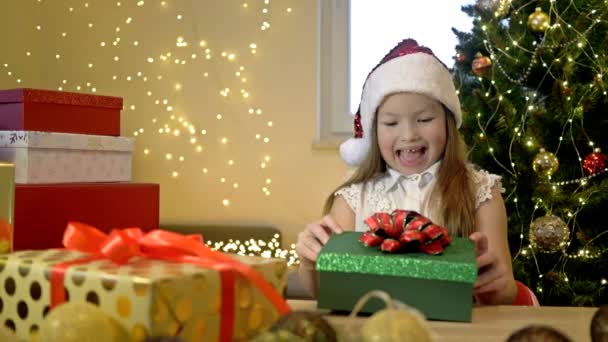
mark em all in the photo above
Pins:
pixel 536 102
pixel 594 162
pixel 499 7
pixel 503 8
pixel 481 64
pixel 397 322
pixel 79 321
pixel 538 332
pixel 539 21
pixel 545 163
pixel 404 230
pixel 179 267
pixel 307 325
pixel 252 247
pixel 599 324
pixel 460 57
pixel 548 90
pixel 345 263
pixel 549 233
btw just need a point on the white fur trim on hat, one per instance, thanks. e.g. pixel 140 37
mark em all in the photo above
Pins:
pixel 417 72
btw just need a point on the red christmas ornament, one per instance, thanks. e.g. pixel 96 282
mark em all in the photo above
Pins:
pixel 594 162
pixel 481 64
pixel 460 57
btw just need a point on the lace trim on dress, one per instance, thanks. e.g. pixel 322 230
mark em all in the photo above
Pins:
pixel 484 182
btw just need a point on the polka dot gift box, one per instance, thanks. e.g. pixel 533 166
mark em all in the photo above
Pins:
pixel 148 297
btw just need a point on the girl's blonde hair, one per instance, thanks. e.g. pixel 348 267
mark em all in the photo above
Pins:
pixel 451 202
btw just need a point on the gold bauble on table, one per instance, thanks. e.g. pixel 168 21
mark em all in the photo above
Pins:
pixel 549 234
pixel 397 322
pixel 73 321
pixel 539 21
pixel 545 163
pixel 395 325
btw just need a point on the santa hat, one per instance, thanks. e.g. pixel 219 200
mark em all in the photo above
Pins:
pixel 408 67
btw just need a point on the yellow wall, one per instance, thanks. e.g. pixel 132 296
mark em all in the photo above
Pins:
pixel 281 80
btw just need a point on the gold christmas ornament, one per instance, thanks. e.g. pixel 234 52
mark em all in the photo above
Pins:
pixel 545 163
pixel 80 321
pixel 503 8
pixel 549 234
pixel 481 64
pixel 539 21
pixel 397 322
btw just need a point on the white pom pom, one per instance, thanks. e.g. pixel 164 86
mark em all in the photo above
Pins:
pixel 354 151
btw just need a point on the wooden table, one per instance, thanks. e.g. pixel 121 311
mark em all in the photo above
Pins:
pixel 490 323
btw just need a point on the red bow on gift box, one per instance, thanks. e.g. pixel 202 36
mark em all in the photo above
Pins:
pixel 405 230
pixel 123 244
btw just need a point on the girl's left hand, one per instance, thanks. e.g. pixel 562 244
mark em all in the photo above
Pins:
pixel 493 275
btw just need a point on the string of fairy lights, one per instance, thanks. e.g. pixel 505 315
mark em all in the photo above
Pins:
pixel 533 100
pixel 152 70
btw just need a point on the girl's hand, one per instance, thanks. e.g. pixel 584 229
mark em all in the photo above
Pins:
pixel 493 276
pixel 313 237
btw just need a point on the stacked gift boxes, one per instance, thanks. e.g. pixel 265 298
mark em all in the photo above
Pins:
pixel 70 164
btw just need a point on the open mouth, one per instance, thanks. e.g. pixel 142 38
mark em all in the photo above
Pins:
pixel 412 156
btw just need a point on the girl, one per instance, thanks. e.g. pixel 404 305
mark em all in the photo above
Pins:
pixel 411 156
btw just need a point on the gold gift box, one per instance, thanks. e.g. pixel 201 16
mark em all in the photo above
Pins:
pixel 148 297
pixel 7 202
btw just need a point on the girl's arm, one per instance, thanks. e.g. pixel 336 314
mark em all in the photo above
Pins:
pixel 315 235
pixel 495 284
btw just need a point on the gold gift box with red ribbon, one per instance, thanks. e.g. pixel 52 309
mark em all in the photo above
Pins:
pixel 155 284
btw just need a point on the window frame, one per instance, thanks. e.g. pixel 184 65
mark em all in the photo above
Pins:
pixel 334 119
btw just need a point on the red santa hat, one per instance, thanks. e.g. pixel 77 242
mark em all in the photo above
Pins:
pixel 408 67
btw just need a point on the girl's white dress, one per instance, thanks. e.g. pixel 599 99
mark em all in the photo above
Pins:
pixel 392 190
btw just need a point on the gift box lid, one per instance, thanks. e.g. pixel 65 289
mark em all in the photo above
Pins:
pixel 345 253
pixel 69 141
pixel 28 95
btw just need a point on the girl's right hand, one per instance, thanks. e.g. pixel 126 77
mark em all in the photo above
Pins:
pixel 313 237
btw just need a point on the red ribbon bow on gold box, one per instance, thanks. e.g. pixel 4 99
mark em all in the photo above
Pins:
pixel 123 244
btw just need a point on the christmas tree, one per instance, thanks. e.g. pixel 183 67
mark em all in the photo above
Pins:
pixel 530 77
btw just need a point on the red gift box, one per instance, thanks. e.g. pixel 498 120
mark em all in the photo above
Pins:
pixel 57 111
pixel 42 211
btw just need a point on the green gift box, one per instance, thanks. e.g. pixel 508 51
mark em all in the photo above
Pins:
pixel 440 286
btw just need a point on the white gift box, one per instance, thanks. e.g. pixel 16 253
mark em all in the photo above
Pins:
pixel 45 157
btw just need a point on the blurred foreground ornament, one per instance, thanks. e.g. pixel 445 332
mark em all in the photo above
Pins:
pixel 74 321
pixel 397 322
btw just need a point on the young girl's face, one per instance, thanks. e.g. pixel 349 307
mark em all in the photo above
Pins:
pixel 411 132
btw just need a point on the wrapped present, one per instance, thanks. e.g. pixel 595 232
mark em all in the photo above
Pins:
pixel 43 157
pixel 43 210
pixel 155 284
pixel 440 286
pixel 7 200
pixel 56 111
